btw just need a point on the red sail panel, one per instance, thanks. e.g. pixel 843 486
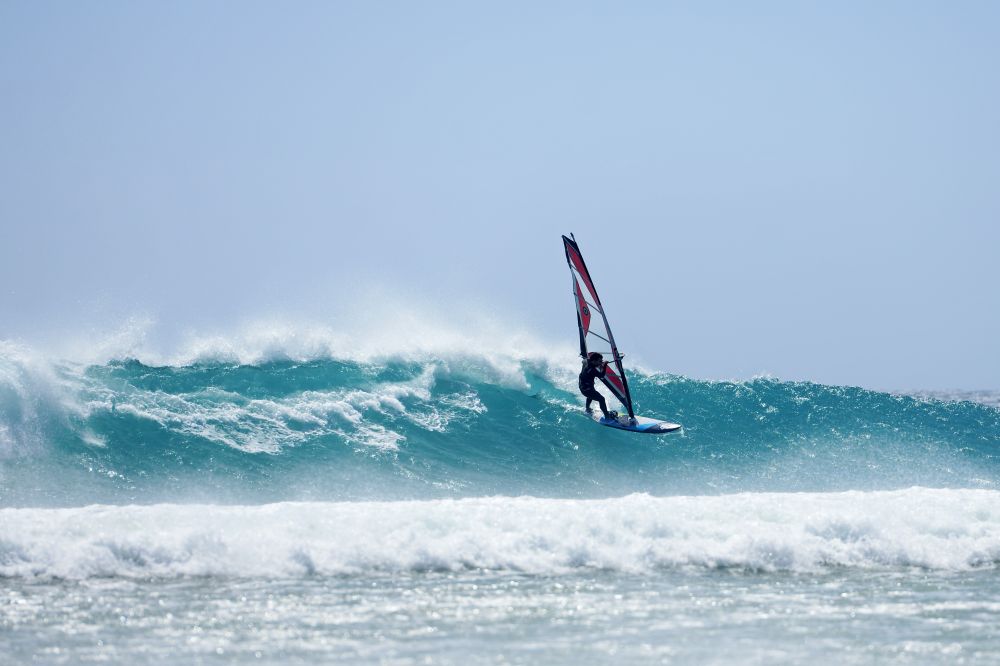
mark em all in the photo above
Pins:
pixel 578 264
pixel 615 381
pixel 617 386
pixel 582 308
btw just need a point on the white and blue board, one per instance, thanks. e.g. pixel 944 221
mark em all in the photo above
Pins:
pixel 587 302
pixel 637 424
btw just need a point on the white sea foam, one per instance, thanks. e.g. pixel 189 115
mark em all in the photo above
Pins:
pixel 380 329
pixel 990 398
pixel 28 383
pixel 918 527
pixel 268 425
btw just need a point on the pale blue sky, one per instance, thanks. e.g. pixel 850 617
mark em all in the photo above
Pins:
pixel 803 189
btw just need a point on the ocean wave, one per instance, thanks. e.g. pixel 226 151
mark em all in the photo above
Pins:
pixel 951 530
pixel 456 422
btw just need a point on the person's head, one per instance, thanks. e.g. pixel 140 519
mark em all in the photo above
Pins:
pixel 595 358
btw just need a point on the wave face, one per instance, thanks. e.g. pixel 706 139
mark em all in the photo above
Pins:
pixel 941 529
pixel 451 424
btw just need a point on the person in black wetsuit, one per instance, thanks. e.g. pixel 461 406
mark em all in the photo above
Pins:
pixel 593 368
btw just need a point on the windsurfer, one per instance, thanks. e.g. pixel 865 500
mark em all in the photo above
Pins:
pixel 593 368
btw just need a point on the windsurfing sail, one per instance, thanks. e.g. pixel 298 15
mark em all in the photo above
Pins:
pixel 595 335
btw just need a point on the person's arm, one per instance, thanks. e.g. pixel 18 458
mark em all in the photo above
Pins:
pixel 604 369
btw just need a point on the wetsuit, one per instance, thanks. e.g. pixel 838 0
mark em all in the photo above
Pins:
pixel 587 377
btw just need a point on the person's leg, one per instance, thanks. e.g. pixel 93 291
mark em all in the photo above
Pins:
pixel 592 395
pixel 604 405
pixel 596 396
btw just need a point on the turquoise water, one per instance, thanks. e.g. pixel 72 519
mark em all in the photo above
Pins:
pixel 460 426
pixel 458 507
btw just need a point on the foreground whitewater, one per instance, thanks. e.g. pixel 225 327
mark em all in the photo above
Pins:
pixel 946 530
pixel 292 503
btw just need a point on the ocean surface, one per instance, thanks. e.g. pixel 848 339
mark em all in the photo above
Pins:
pixel 291 503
